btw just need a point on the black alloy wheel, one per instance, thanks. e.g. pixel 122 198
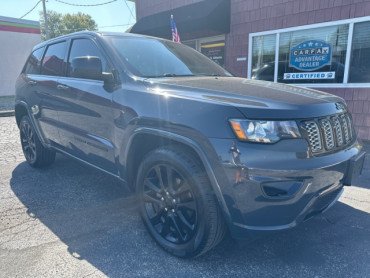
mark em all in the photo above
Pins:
pixel 169 204
pixel 177 204
pixel 28 141
pixel 35 153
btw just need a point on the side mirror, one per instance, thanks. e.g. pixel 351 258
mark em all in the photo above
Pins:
pixel 89 67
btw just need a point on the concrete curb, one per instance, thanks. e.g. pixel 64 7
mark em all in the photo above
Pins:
pixel 8 113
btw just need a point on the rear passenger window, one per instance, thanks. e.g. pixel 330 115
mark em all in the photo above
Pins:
pixel 86 47
pixel 34 62
pixel 53 62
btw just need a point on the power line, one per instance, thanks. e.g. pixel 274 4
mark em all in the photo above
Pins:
pixel 85 5
pixel 129 19
pixel 129 8
pixel 31 9
pixel 114 26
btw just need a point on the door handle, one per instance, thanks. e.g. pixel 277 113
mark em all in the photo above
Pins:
pixel 32 82
pixel 62 87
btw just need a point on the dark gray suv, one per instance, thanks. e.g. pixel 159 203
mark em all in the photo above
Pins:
pixel 205 152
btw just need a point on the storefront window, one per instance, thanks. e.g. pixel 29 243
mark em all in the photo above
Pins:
pixel 360 57
pixel 313 55
pixel 215 51
pixel 263 57
pixel 212 47
pixel 316 54
pixel 192 44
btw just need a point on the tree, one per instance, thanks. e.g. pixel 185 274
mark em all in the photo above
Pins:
pixel 54 23
pixel 64 24
pixel 78 22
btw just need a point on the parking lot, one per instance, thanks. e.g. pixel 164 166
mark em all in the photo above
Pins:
pixel 71 221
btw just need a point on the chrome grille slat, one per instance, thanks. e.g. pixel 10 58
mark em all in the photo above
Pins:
pixel 328 133
pixel 338 131
pixel 349 122
pixel 314 137
pixel 345 128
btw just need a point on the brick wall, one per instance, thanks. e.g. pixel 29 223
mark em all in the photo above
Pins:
pixel 358 101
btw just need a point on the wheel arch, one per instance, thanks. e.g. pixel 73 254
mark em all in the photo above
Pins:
pixel 21 109
pixel 144 140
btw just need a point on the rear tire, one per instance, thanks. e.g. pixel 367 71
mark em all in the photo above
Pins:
pixel 177 204
pixel 35 153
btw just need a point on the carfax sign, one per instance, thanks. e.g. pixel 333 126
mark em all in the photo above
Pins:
pixel 310 55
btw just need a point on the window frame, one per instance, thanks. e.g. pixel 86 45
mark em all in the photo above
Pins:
pixel 277 32
pixel 199 41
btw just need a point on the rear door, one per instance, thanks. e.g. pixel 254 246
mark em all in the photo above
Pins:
pixel 45 89
pixel 87 118
pixel 30 77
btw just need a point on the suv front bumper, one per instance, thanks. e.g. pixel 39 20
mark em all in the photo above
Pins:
pixel 275 187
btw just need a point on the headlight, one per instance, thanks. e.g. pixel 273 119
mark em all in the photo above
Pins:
pixel 264 131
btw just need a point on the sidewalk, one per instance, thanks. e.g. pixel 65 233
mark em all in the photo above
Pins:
pixel 6 106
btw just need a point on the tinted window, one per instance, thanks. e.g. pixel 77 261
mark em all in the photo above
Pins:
pixel 34 62
pixel 85 47
pixel 156 58
pixel 360 67
pixel 53 62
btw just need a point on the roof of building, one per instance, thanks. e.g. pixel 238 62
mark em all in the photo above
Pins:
pixel 10 24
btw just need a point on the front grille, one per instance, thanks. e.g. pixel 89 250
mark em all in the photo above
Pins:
pixel 329 133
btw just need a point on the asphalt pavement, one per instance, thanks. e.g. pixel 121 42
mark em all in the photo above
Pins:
pixel 72 221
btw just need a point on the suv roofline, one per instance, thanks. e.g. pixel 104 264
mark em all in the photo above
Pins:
pixel 93 34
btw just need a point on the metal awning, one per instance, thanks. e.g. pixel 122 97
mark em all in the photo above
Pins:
pixel 202 19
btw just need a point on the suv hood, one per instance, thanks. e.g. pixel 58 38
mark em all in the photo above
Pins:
pixel 253 98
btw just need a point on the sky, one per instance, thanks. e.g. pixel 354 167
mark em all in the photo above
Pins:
pixel 107 17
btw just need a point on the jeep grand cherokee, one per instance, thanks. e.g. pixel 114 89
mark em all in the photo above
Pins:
pixel 205 152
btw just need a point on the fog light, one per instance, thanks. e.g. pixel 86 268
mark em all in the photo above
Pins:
pixel 281 189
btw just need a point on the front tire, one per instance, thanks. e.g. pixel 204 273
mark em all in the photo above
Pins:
pixel 35 153
pixel 177 204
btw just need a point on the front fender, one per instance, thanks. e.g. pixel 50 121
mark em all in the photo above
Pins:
pixel 176 138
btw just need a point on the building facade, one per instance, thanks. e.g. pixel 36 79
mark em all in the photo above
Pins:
pixel 313 43
pixel 17 38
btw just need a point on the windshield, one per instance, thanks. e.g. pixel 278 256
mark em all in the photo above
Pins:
pixel 147 57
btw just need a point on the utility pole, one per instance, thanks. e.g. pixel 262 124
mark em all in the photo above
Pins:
pixel 46 20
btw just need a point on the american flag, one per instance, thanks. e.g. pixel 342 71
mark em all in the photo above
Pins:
pixel 175 34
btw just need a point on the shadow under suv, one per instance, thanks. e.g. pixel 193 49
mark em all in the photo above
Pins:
pixel 205 152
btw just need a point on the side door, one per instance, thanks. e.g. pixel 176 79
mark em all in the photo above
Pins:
pixel 87 118
pixel 45 90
